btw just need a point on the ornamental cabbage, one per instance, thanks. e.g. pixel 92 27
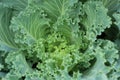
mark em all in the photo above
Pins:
pixel 59 39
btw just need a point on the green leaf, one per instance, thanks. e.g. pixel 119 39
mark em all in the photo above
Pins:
pixel 93 19
pixel 30 26
pixel 105 52
pixel 117 19
pixel 18 5
pixel 57 8
pixel 112 6
pixel 18 64
pixel 6 34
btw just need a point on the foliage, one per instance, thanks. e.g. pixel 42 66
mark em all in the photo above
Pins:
pixel 59 39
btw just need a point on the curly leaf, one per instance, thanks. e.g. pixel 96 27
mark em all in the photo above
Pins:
pixel 29 27
pixel 93 19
